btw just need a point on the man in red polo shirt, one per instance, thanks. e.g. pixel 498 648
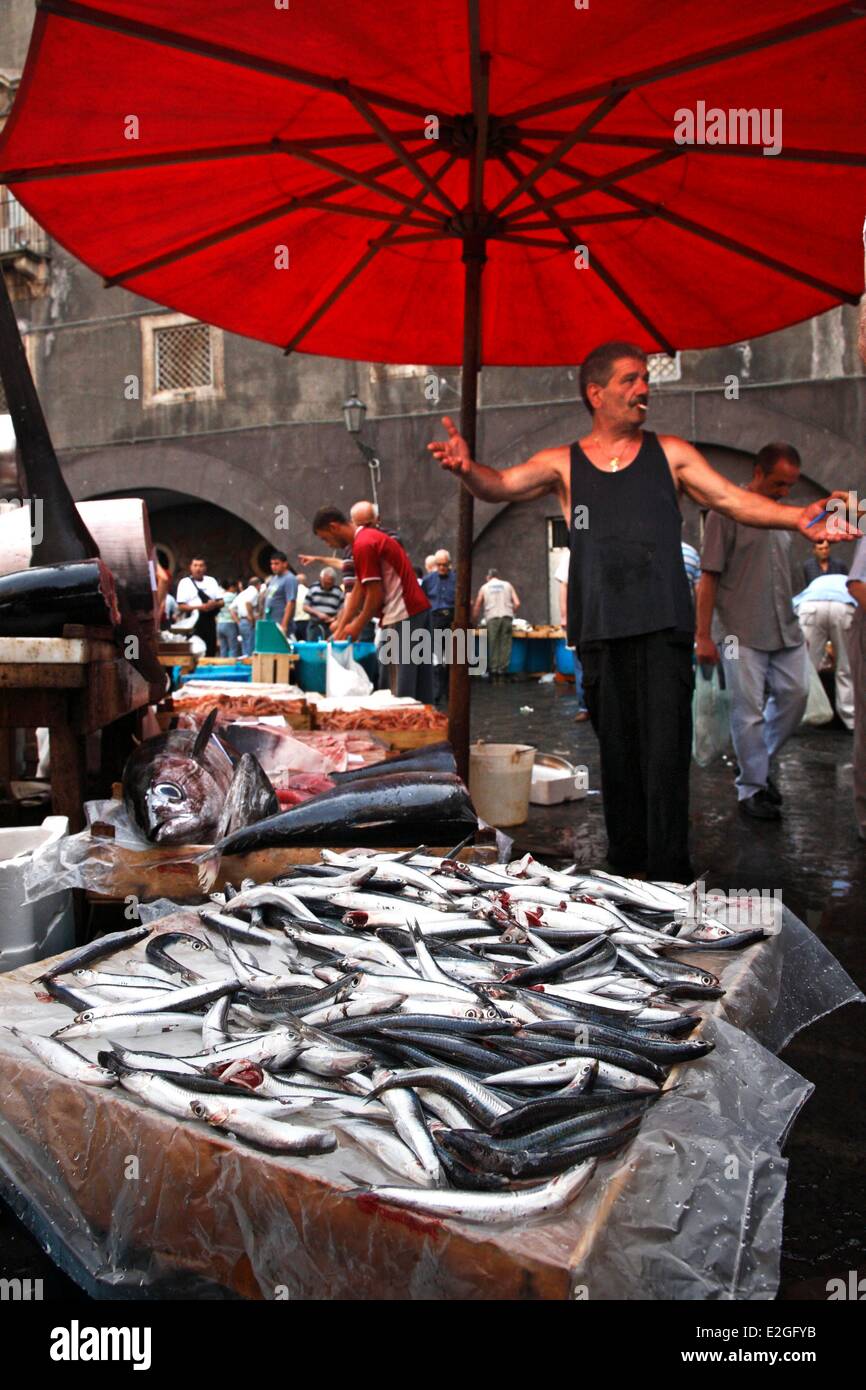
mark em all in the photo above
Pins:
pixel 387 589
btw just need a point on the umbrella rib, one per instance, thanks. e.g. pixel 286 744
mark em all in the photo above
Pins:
pixel 795 153
pixel 221 53
pixel 316 199
pixel 276 146
pixel 373 249
pixel 479 87
pixel 482 132
pixel 406 158
pixel 571 234
pixel 421 236
pixel 594 185
pixel 137 161
pixel 719 53
pixel 248 224
pixel 697 229
pixel 528 181
pixel 512 231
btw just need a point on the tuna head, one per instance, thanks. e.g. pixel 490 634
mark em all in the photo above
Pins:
pixel 175 786
pixel 181 802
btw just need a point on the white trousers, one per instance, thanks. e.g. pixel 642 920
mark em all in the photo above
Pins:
pixel 769 691
pixel 829 621
pixel 857 655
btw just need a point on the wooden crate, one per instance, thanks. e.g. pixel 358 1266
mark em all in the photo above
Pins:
pixel 402 739
pixel 224 660
pixel 275 668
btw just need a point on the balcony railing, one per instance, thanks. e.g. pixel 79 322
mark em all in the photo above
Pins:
pixel 18 231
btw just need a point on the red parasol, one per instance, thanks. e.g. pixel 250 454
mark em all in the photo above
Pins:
pixel 339 178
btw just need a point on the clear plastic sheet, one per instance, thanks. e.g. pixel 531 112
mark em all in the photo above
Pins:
pixel 84 860
pixel 133 1203
pixel 787 981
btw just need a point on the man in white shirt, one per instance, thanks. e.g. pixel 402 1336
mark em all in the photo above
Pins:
pixel 199 592
pixel 499 603
pixel 826 609
pixel 246 606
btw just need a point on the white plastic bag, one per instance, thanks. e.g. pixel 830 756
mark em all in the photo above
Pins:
pixel 818 708
pixel 343 675
pixel 711 715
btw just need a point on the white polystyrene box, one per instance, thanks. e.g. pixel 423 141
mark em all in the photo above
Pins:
pixel 31 931
pixel 555 780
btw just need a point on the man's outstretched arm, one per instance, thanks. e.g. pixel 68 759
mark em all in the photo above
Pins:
pixel 541 474
pixel 708 488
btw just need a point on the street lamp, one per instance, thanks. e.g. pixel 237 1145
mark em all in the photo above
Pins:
pixel 354 414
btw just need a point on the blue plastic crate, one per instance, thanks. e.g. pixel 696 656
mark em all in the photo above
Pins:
pixel 229 672
pixel 517 664
pixel 311 669
pixel 564 658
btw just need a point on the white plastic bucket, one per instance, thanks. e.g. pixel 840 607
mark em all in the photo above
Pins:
pixel 500 779
pixel 31 931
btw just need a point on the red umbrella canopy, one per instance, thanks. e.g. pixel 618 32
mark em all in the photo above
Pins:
pixel 307 172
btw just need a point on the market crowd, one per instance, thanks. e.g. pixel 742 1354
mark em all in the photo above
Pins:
pixel 643 609
pixel 367 589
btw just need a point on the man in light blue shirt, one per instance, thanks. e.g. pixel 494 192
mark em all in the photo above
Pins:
pixel 281 593
pixel 825 610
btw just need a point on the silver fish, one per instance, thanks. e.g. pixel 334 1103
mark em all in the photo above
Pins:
pixel 493 1207
pixel 65 1061
pixel 276 1135
pixel 408 1116
pixel 129 1025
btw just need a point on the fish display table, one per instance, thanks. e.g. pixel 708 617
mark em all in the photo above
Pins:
pixel 73 686
pixel 134 1202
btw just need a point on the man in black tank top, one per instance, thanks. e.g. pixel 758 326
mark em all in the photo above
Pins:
pixel 630 611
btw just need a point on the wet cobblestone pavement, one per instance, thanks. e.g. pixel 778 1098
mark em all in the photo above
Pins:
pixel 813 856
pixel 817 861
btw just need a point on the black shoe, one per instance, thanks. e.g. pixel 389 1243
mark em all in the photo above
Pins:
pixel 773 792
pixel 759 806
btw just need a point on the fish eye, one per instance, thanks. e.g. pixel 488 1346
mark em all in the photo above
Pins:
pixel 87 1017
pixel 169 791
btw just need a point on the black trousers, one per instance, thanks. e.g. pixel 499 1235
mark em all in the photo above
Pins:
pixel 639 695
pixel 205 628
pixel 441 618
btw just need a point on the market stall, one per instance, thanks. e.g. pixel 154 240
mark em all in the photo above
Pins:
pixel 690 1208
pixel 73 686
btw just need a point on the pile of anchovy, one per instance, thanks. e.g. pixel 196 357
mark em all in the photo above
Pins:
pixel 485 1032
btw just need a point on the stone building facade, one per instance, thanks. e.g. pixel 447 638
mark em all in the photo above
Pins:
pixel 235 446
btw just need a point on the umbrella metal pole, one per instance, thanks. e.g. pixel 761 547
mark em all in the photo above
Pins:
pixel 474 256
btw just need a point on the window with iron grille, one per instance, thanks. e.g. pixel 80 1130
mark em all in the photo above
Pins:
pixel 183 359
pixel 663 368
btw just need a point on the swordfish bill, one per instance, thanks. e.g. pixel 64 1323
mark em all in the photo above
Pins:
pixel 62 535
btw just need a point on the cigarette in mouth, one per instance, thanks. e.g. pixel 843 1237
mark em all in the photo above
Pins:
pixel 641 406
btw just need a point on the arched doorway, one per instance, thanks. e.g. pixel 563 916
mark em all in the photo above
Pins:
pixel 184 527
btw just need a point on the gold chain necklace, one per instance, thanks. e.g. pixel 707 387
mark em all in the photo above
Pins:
pixel 613 464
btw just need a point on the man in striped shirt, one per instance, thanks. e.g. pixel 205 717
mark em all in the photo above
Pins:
pixel 323 603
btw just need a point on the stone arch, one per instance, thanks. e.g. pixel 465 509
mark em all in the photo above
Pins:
pixel 170 467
